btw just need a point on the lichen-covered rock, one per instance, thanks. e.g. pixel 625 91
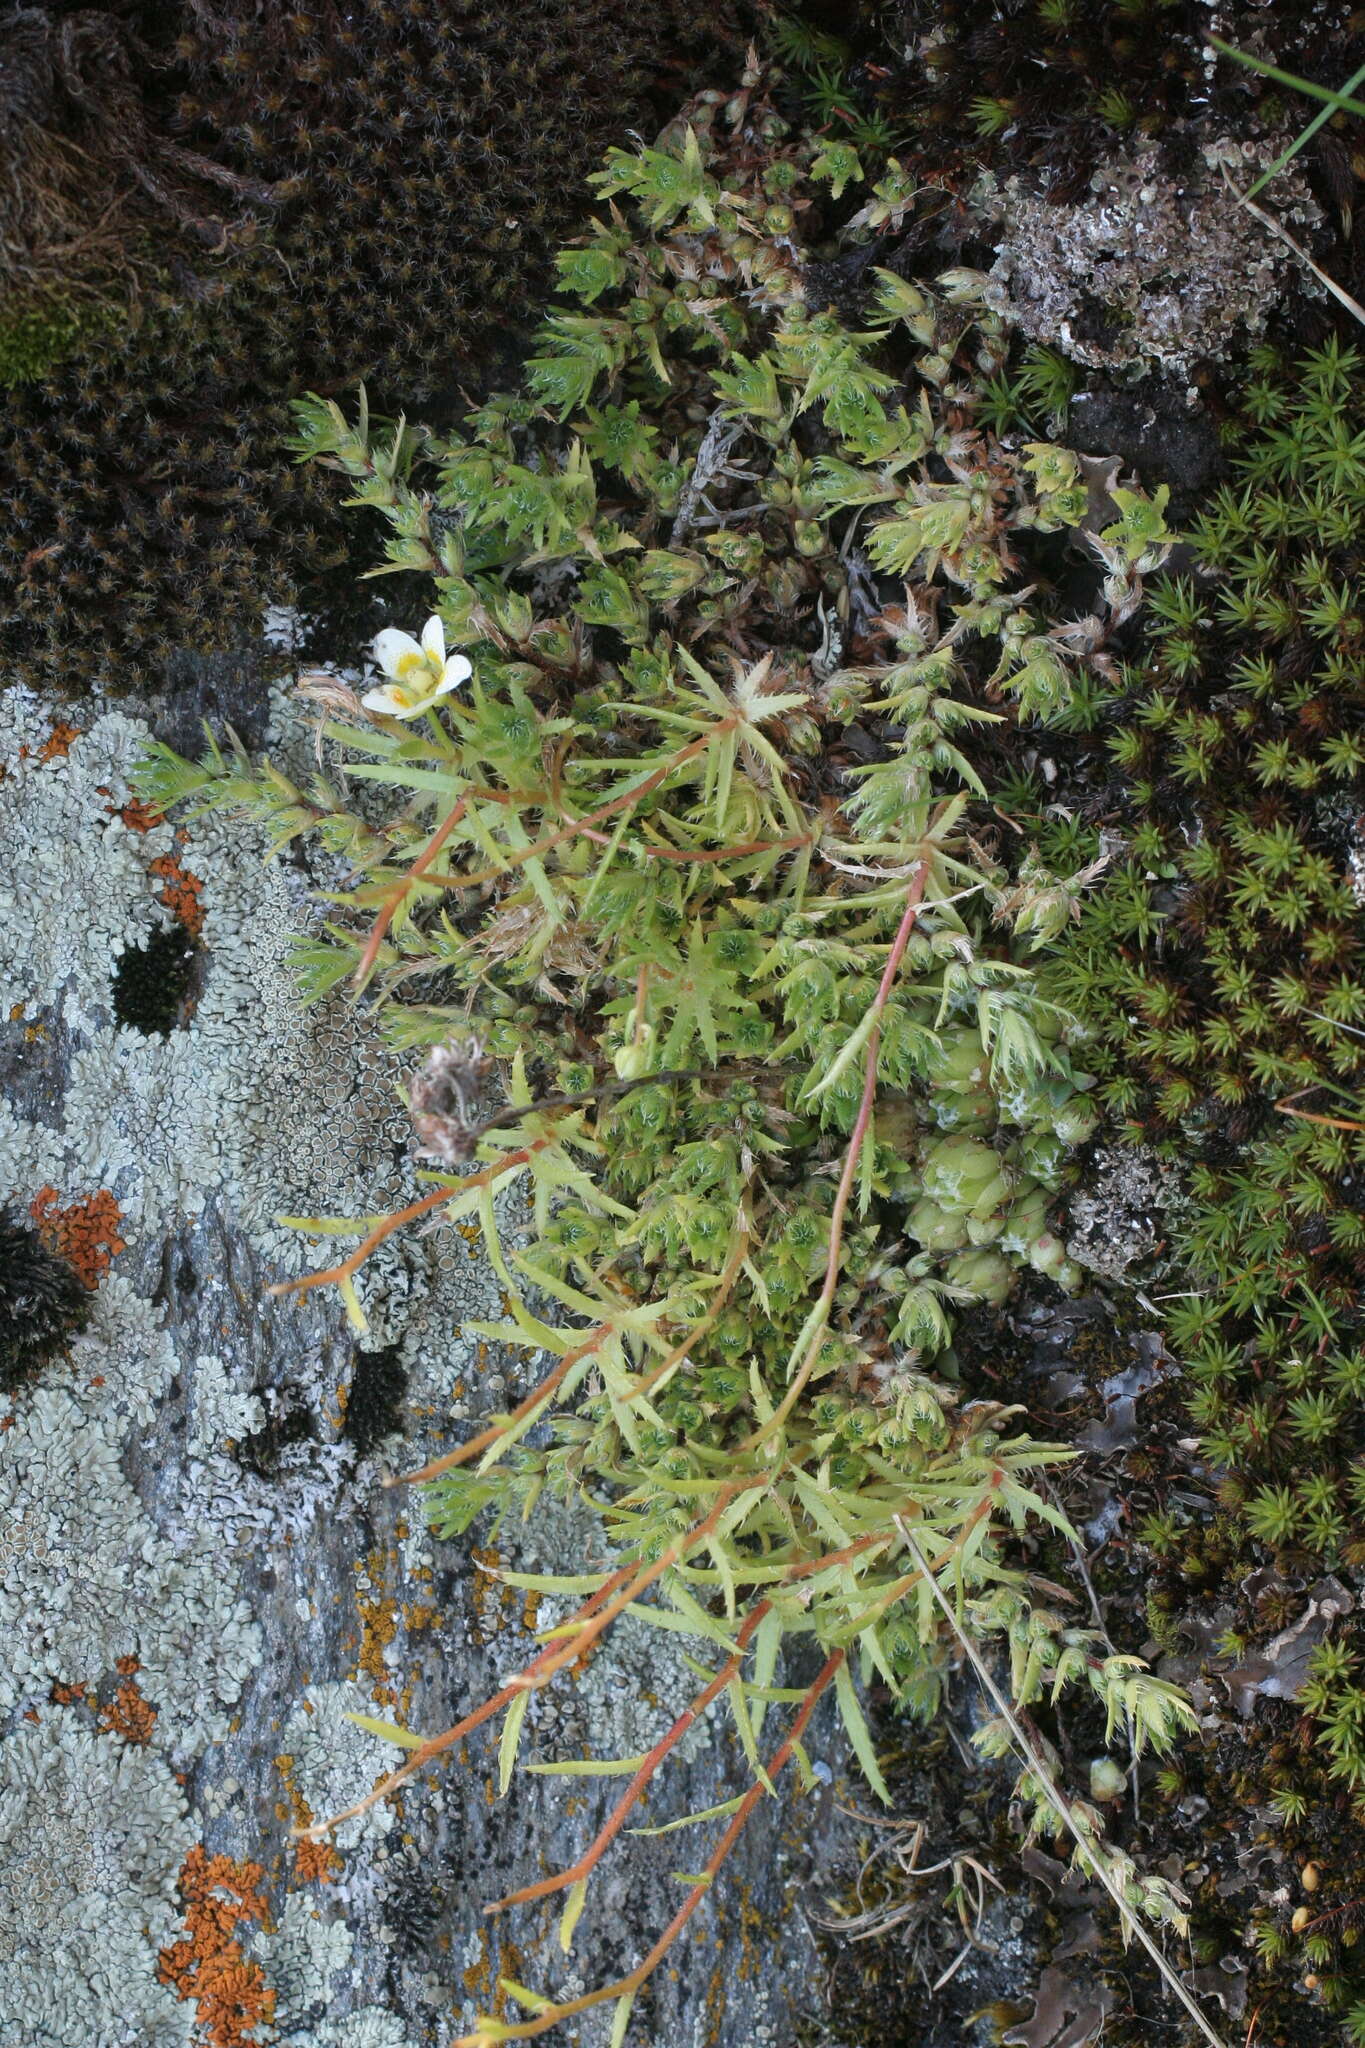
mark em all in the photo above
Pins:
pixel 85 1581
pixel 1144 270
pixel 92 1833
pixel 196 1557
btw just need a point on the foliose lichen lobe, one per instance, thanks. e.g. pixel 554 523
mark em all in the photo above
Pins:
pixel 1145 269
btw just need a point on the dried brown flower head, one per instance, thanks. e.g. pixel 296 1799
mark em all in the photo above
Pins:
pixel 443 1100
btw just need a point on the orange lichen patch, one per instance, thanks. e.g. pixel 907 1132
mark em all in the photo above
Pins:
pixel 488 1596
pixel 84 1232
pixel 139 816
pixel 484 1979
pixel 126 1666
pixel 207 1964
pixel 377 1612
pixel 65 1695
pixel 128 1714
pixel 181 892
pixel 295 1804
pixel 314 1862
pixel 59 741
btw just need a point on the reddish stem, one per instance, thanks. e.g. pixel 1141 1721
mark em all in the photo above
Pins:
pixel 626 1987
pixel 488 1436
pixel 593 1854
pixel 390 908
pixel 731 852
pixel 521 854
pixel 569 1643
pixel 388 1224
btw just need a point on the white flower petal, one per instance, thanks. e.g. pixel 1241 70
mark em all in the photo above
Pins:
pixel 458 669
pixel 396 701
pixel 434 642
pixel 396 652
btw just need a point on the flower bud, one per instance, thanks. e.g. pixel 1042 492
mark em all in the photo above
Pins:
pixel 984 1274
pixel 1107 1780
pixel 938 1230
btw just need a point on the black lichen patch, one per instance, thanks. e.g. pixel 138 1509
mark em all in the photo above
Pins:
pixel 153 984
pixel 411 1912
pixel 42 1302
pixel 375 1401
pixel 264 1452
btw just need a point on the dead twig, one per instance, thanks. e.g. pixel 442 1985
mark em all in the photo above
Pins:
pixel 1040 1774
pixel 1268 220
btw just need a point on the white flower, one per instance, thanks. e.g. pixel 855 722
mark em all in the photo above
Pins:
pixel 418 672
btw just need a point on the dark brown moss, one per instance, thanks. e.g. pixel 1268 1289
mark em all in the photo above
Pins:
pixel 42 1302
pixel 435 154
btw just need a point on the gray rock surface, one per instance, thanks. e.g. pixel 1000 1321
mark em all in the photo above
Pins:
pixel 193 1518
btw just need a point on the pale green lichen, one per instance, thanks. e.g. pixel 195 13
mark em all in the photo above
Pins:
pixel 303 1955
pixel 334 1761
pixel 92 1836
pixel 86 1580
pixel 272 1108
pixel 105 1553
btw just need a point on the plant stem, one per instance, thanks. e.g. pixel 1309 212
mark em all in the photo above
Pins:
pixel 548 1385
pixel 521 854
pixel 626 1987
pixel 388 1224
pixel 918 884
pixel 390 908
pixel 1059 1805
pixel 568 1643
pixel 593 1854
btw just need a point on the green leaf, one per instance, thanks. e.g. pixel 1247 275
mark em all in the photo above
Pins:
pixel 573 1909
pixel 852 1046
pixel 690 1820
pixel 590 1767
pixel 859 1735
pixel 620 2019
pixel 534 2001
pixel 511 1736
pixel 387 1731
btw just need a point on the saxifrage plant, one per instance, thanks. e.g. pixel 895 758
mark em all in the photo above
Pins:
pixel 694 855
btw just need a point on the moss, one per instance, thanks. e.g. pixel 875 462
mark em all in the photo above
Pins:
pixel 430 154
pixel 1036 87
pixel 1223 963
pixel 1222 967
pixel 34 339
